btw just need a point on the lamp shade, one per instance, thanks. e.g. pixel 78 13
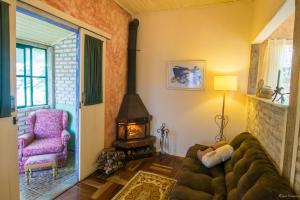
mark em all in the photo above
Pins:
pixel 225 83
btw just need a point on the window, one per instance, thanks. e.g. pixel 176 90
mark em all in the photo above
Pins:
pixel 286 68
pixel 278 59
pixel 31 76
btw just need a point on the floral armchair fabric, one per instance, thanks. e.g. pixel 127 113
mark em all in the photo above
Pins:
pixel 47 134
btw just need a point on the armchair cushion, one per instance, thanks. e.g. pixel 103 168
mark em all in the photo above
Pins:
pixel 48 123
pixel 65 137
pixel 25 140
pixel 44 146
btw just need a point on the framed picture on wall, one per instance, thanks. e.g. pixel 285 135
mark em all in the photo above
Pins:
pixel 187 75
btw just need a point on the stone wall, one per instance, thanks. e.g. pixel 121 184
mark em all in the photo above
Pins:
pixel 267 121
pixel 65 82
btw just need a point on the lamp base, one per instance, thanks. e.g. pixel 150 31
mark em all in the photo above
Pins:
pixel 221 121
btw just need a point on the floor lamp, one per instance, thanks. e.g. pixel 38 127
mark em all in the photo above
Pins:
pixel 223 83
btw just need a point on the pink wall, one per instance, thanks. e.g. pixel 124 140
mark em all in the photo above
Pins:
pixel 108 16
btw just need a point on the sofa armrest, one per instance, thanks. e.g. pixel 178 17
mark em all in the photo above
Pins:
pixel 25 140
pixel 65 137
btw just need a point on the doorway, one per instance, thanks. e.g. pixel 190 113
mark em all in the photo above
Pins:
pixel 47 97
pixel 87 148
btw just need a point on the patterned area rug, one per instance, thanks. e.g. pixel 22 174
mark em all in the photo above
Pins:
pixel 146 186
pixel 43 187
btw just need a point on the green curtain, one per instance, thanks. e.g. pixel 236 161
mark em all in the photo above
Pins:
pixel 5 104
pixel 92 71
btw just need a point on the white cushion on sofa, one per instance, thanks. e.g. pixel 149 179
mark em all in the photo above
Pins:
pixel 217 156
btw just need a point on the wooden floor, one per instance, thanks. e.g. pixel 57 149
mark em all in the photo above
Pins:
pixel 97 186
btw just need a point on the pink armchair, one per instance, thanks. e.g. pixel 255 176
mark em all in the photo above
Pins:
pixel 47 134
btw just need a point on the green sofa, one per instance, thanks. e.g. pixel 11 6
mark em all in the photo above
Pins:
pixel 248 175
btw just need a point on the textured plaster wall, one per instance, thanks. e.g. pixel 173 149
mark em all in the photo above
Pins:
pixel 108 16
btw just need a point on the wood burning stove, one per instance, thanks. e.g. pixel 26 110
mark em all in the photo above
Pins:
pixel 133 121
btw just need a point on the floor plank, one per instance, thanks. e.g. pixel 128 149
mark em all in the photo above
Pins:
pixel 98 186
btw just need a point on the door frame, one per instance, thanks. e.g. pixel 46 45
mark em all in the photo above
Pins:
pixel 38 5
pixel 87 164
pixel 11 159
pixel 66 17
pixel 41 15
pixel 57 15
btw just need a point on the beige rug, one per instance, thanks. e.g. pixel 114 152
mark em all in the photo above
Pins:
pixel 146 186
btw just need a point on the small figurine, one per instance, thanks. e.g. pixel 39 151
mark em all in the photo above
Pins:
pixel 163 131
pixel 263 91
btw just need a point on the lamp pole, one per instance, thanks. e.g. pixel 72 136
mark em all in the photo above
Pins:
pixel 225 84
pixel 223 118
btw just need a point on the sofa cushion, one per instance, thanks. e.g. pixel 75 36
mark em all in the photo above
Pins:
pixel 195 181
pixel 217 156
pixel 43 146
pixel 182 192
pixel 250 174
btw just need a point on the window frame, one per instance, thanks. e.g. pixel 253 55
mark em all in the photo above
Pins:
pixel 31 76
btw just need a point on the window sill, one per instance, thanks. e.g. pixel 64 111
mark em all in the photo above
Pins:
pixel 269 101
pixel 33 107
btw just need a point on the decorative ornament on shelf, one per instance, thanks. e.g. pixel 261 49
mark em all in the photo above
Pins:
pixel 163 131
pixel 223 83
pixel 278 91
pixel 263 91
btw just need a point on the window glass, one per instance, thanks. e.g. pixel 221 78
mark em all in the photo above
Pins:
pixel 31 76
pixel 28 91
pixel 28 72
pixel 286 68
pixel 20 61
pixel 38 62
pixel 39 91
pixel 20 91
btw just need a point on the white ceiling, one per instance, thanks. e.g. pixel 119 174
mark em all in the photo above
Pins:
pixel 38 31
pixel 144 6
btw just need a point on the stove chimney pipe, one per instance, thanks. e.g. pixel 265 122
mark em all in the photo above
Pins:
pixel 131 62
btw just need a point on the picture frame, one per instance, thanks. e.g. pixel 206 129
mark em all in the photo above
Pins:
pixel 186 74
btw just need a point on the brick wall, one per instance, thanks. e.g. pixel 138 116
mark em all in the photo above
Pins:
pixel 65 71
pixel 267 122
pixel 65 82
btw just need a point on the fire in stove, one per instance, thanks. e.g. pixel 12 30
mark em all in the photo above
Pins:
pixel 136 131
pixel 132 131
